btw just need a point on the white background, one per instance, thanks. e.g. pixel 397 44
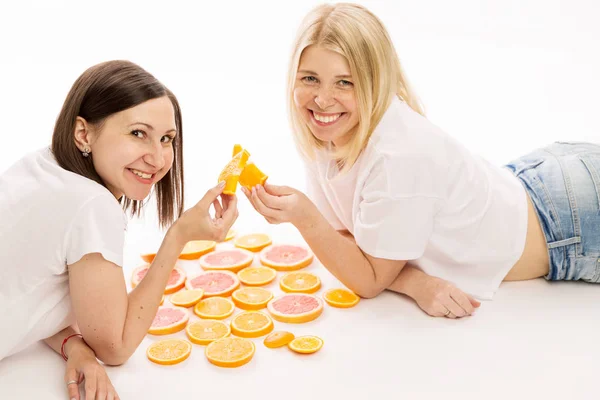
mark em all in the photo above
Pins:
pixel 504 77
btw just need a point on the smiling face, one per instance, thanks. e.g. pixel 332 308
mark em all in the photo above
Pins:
pixel 133 148
pixel 324 95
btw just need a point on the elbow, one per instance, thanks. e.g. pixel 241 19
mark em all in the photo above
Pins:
pixel 369 291
pixel 112 355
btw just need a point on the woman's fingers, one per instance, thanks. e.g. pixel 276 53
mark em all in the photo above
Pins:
pixel 72 381
pixel 273 202
pixel 261 207
pixel 218 208
pixel 462 300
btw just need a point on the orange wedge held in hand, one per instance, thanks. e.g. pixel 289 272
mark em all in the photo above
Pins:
pixel 231 173
pixel 251 176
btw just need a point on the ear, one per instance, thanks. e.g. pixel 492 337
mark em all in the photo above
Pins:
pixel 82 134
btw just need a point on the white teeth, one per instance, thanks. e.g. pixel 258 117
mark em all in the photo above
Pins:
pixel 326 119
pixel 141 174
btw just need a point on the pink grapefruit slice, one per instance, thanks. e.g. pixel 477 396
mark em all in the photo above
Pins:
pixel 214 283
pixel 286 257
pixel 295 308
pixel 226 259
pixel 176 280
pixel 168 320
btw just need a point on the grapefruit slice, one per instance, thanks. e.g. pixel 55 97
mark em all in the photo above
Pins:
pixel 196 248
pixel 168 320
pixel 187 298
pixel 286 257
pixel 300 282
pixel 231 173
pixel 169 352
pixel 251 176
pixel 295 308
pixel 341 298
pixel 214 283
pixel 227 259
pixel 257 276
pixel 251 298
pixel 230 352
pixel 278 339
pixel 253 242
pixel 251 324
pixel 214 308
pixel 206 331
pixel 176 280
pixel 306 344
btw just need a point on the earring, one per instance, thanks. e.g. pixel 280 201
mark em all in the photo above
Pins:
pixel 85 152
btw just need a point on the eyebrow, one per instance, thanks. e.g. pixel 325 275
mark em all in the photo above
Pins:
pixel 308 72
pixel 151 127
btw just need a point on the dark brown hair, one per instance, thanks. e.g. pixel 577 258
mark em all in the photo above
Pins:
pixel 99 92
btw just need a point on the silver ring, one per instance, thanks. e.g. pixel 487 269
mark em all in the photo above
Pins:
pixel 72 382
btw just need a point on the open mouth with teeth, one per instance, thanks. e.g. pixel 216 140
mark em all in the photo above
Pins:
pixel 326 119
pixel 141 176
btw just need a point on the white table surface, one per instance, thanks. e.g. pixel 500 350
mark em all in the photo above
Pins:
pixel 535 340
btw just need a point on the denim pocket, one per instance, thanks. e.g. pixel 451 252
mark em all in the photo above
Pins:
pixel 592 164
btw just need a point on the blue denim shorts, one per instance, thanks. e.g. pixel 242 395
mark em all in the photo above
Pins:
pixel 563 181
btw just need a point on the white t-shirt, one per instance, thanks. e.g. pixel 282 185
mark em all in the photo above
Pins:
pixel 49 218
pixel 417 194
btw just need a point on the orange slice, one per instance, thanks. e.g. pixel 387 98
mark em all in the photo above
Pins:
pixel 196 248
pixel 227 259
pixel 214 308
pixel 257 276
pixel 251 298
pixel 306 344
pixel 187 298
pixel 176 280
pixel 251 324
pixel 341 298
pixel 286 257
pixel 230 234
pixel 253 242
pixel 162 300
pixel 231 173
pixel 214 283
pixel 206 331
pixel 236 149
pixel 168 320
pixel 148 257
pixel 300 282
pixel 278 339
pixel 295 308
pixel 169 352
pixel 230 352
pixel 251 176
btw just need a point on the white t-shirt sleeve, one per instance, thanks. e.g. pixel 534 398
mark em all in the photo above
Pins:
pixel 98 227
pixel 397 210
pixel 316 194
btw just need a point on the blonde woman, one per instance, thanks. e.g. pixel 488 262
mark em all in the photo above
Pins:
pixel 396 203
pixel 118 137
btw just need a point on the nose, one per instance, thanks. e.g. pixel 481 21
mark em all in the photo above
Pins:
pixel 325 98
pixel 154 156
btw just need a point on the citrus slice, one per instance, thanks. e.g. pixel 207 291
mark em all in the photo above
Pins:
pixel 257 276
pixel 168 320
pixel 300 282
pixel 206 331
pixel 251 176
pixel 169 351
pixel 251 324
pixel 148 257
pixel 306 344
pixel 227 259
pixel 286 257
pixel 214 308
pixel 187 298
pixel 236 149
pixel 230 352
pixel 278 339
pixel 176 280
pixel 196 248
pixel 295 308
pixel 341 298
pixel 162 300
pixel 214 283
pixel 230 234
pixel 231 173
pixel 251 298
pixel 253 242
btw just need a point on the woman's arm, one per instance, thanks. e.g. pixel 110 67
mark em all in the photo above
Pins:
pixel 113 322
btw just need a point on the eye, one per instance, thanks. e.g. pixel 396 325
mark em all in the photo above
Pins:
pixel 138 133
pixel 346 84
pixel 167 138
pixel 310 80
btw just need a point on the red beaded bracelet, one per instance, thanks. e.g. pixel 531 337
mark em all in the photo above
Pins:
pixel 62 347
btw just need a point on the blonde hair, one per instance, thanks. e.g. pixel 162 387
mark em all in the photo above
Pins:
pixel 357 34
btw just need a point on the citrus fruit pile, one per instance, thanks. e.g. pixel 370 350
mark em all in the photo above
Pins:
pixel 224 305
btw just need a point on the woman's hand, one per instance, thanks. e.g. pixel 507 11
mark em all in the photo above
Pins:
pixel 82 366
pixel 280 204
pixel 440 298
pixel 196 223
